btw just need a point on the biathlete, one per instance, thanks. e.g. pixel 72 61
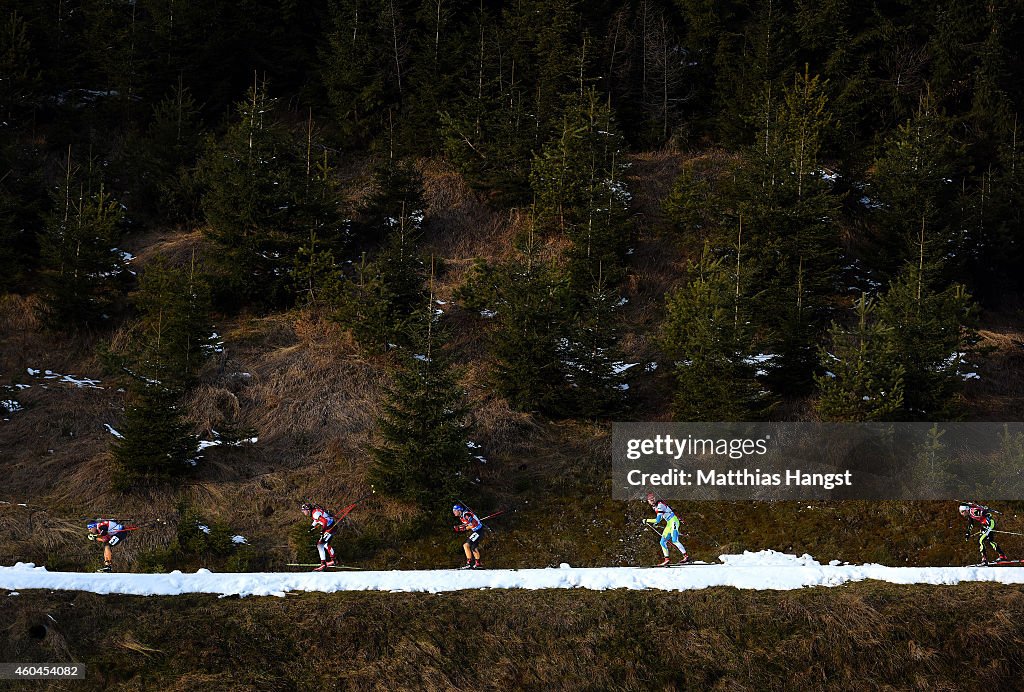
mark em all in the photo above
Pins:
pixel 671 532
pixel 983 516
pixel 470 522
pixel 325 524
pixel 109 533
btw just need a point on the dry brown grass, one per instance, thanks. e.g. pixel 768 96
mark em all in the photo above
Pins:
pixel 176 246
pixel 459 225
pixel 19 313
pixel 863 636
pixel 999 394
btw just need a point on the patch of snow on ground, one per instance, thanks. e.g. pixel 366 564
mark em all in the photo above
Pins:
pixel 65 379
pixel 759 359
pixel 765 570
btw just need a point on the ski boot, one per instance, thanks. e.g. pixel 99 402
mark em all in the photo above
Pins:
pixel 107 567
pixel 685 559
pixel 469 565
pixel 322 567
pixel 1002 558
pixel 331 563
pixel 664 563
pixel 478 565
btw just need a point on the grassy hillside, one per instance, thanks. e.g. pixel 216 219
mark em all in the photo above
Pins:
pixel 302 386
pixel 865 636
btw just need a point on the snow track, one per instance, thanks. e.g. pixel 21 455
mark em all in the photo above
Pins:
pixel 766 570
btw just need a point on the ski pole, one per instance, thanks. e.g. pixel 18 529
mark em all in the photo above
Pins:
pixel 1011 533
pixel 978 504
pixel 486 527
pixel 345 512
pixel 475 514
pixel 656 532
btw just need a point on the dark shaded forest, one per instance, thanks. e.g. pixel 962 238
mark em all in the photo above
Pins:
pixel 849 199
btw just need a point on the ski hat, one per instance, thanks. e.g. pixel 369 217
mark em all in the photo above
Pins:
pixel 458 508
pixel 306 507
pixel 92 525
pixel 652 498
pixel 964 509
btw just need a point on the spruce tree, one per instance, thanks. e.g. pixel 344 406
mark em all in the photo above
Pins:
pixel 529 337
pixel 790 218
pixel 580 190
pixel 591 356
pixel 706 333
pixel 80 262
pixel 931 467
pixel 255 182
pixel 915 180
pixel 173 329
pixel 380 298
pixel 931 331
pixel 364 65
pixel 157 443
pixel 164 159
pixel 424 426
pixel 863 376
pixel 170 343
pixel 396 205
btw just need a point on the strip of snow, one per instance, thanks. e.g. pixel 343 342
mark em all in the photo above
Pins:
pixel 67 379
pixel 765 570
pixel 113 432
pixel 206 444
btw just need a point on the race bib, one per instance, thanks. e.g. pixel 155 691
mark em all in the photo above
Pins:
pixel 473 536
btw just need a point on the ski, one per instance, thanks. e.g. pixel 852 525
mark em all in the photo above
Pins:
pixel 317 564
pixel 999 563
pixel 691 563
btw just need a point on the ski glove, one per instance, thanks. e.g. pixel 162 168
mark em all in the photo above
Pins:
pixel 92 536
pixel 459 529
